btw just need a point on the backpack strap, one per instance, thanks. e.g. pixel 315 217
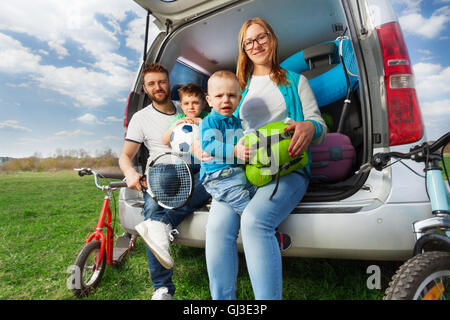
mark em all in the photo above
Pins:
pixel 283 167
pixel 267 141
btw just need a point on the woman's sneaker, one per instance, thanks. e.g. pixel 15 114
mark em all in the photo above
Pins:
pixel 157 236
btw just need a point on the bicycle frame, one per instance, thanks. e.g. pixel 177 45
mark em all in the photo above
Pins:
pixel 108 241
pixel 436 229
pixel 438 195
pixel 439 200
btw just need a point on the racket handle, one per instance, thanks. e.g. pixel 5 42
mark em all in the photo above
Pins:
pixel 142 182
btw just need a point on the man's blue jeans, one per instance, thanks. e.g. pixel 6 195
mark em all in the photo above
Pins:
pixel 162 277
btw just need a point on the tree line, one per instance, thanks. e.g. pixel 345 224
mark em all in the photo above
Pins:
pixel 62 160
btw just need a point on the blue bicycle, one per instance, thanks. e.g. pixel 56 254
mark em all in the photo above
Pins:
pixel 426 276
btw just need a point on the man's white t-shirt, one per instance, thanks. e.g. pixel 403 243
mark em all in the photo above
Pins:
pixel 148 125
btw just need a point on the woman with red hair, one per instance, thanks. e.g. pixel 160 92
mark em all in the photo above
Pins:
pixel 270 94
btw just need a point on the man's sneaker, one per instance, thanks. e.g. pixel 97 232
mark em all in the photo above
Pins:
pixel 162 293
pixel 284 240
pixel 157 236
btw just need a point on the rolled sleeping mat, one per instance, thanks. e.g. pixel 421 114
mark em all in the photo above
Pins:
pixel 322 67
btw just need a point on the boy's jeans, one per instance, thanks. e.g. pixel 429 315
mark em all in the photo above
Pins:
pixel 231 186
pixel 162 277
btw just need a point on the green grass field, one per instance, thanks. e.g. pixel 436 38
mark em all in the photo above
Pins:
pixel 45 219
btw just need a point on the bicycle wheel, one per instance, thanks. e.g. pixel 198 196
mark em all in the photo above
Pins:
pixel 423 277
pixel 87 272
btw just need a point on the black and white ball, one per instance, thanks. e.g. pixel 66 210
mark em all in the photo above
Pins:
pixel 182 137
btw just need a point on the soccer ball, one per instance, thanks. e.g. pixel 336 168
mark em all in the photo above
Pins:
pixel 182 137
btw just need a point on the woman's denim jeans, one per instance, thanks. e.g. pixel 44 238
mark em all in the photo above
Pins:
pixel 257 225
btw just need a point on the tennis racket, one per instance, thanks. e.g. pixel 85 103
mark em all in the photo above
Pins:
pixel 347 57
pixel 169 180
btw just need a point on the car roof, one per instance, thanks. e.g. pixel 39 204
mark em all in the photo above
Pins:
pixel 210 41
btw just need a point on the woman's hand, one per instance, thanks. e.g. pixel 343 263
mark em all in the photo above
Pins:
pixel 303 135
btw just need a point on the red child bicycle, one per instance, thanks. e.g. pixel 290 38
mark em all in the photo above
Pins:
pixel 99 249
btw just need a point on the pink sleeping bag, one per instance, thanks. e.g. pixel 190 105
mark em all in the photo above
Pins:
pixel 333 159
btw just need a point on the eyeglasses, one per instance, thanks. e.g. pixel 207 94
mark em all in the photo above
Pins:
pixel 261 39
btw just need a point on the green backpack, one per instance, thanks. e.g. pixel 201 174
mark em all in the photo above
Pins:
pixel 272 158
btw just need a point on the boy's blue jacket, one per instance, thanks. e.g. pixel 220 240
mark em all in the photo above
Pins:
pixel 218 136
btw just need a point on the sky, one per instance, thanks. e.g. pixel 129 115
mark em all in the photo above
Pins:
pixel 66 69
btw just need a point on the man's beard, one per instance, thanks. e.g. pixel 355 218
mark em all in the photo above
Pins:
pixel 162 100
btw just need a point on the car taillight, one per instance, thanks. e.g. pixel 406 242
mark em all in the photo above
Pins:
pixel 125 119
pixel 405 119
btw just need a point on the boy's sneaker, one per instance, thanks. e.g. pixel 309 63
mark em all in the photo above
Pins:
pixel 162 293
pixel 157 236
pixel 284 240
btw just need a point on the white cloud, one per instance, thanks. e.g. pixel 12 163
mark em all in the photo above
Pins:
pixel 135 34
pixel 433 90
pixel 77 132
pixel 15 58
pixel 413 21
pixel 409 5
pixel 113 119
pixel 89 88
pixel 13 124
pixel 55 23
pixel 430 28
pixel 89 118
pixel 113 138
pixel 436 117
pixel 432 81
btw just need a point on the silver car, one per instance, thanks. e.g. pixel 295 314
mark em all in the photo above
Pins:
pixel 365 216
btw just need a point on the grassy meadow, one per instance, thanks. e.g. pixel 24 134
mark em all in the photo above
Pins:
pixel 45 219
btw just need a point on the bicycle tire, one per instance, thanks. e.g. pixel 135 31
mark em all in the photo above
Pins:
pixel 81 287
pixel 414 279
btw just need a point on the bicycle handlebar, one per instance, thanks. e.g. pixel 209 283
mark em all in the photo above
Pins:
pixel 107 175
pixel 442 141
pixel 418 153
pixel 118 184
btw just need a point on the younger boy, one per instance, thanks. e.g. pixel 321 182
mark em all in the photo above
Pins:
pixel 219 132
pixel 219 135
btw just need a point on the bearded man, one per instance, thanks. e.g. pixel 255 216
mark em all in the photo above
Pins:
pixel 147 126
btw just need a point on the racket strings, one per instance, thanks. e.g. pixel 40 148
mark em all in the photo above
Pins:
pixel 349 58
pixel 170 183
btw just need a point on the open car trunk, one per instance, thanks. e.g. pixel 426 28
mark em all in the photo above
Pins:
pixel 200 37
